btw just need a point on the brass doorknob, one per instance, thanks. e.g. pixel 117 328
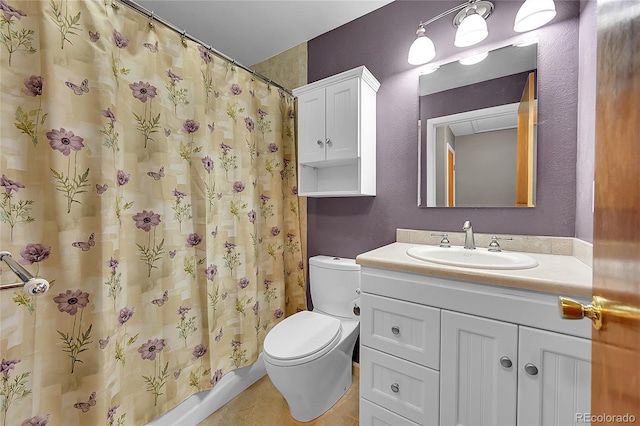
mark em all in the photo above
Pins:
pixel 572 309
pixel 598 310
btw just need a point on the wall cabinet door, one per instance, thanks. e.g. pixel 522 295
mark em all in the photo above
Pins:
pixel 342 118
pixel 554 378
pixel 478 362
pixel 311 126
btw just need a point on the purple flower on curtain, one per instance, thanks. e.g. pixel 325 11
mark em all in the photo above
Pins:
pixel 273 147
pixel 71 300
pixel 252 216
pixel 235 343
pixel 10 185
pixel 143 91
pixel 262 113
pixel 290 236
pixel 33 86
pixel 112 412
pixel 275 231
pixel 113 264
pixel 150 349
pixel 174 78
pixel 183 310
pixel 294 190
pixel 204 54
pixel 235 89
pixel 238 187
pixel 123 177
pixel 226 148
pixel 243 283
pixel 199 351
pixel 278 313
pixel 229 246
pixel 194 239
pixel 281 93
pixel 178 194
pixel 212 271
pixel 207 162
pixel 300 265
pixel 191 126
pixel 217 376
pixel 292 114
pixel 146 219
pixel 120 40
pixel 249 123
pixel 39 420
pixel 34 253
pixel 103 342
pixel 125 315
pixel 264 198
pixel 109 114
pixel 64 141
pixel 94 37
pixel 10 11
pixel 6 365
pixel 267 284
pixel 256 307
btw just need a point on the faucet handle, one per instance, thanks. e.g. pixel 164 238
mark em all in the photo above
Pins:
pixel 444 242
pixel 494 245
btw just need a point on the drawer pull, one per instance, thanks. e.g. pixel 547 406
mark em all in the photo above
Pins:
pixel 506 362
pixel 395 388
pixel 320 143
pixel 395 330
pixel 531 369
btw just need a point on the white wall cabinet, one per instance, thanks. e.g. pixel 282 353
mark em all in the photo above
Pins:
pixel 502 356
pixel 337 135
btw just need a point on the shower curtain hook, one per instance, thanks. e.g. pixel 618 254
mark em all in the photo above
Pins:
pixel 151 18
pixel 183 38
pixel 114 5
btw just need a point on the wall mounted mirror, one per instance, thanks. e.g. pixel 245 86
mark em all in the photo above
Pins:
pixel 478 132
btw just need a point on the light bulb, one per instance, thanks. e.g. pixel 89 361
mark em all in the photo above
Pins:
pixel 534 14
pixel 472 30
pixel 422 49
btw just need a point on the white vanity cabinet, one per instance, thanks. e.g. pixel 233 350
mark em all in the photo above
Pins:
pixel 438 351
pixel 337 135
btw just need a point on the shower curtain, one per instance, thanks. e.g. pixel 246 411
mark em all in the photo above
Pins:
pixel 154 185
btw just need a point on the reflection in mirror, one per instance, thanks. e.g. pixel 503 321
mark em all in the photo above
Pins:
pixel 478 132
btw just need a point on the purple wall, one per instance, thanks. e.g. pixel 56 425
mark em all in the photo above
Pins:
pixel 380 41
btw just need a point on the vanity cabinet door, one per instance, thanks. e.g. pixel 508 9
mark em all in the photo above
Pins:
pixel 311 126
pixel 342 120
pixel 478 371
pixel 554 378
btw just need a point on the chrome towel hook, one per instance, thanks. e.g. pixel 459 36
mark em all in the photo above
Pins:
pixel 32 286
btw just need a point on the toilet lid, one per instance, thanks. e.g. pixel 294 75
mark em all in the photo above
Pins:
pixel 301 335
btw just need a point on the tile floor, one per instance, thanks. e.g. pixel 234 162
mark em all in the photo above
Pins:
pixel 262 405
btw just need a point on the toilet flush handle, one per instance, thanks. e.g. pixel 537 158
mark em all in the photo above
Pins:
pixel 356 310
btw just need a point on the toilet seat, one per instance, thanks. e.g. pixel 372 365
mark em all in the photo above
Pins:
pixel 301 338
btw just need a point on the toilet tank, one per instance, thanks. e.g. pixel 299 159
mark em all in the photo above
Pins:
pixel 333 282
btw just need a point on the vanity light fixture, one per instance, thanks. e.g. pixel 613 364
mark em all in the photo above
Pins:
pixel 534 14
pixel 474 59
pixel 471 25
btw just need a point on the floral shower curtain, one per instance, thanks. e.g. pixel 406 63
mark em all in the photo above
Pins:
pixel 153 184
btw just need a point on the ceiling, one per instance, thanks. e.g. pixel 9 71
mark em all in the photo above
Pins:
pixel 251 31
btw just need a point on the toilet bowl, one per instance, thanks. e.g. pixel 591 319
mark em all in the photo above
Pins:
pixel 308 355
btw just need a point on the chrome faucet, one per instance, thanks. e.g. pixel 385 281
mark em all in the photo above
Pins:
pixel 469 242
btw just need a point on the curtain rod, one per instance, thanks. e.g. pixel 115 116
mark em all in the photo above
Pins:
pixel 154 18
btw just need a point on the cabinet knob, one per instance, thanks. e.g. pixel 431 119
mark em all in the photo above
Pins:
pixel 395 330
pixel 329 142
pixel 395 388
pixel 320 143
pixel 506 362
pixel 531 369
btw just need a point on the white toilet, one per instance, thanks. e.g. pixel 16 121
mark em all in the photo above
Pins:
pixel 308 355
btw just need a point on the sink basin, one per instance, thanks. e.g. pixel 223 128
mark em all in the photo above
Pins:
pixel 479 258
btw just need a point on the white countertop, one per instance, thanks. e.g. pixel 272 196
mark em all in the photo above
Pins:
pixel 558 274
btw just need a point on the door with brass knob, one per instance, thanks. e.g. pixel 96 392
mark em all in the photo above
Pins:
pixel 616 232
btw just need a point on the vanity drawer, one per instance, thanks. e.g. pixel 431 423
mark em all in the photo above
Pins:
pixel 372 414
pixel 404 329
pixel 401 386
